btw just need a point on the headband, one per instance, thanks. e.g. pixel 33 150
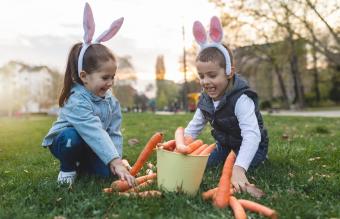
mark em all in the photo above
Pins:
pixel 216 35
pixel 89 27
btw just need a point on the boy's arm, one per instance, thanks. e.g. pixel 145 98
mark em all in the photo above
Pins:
pixel 250 131
pixel 79 113
pixel 196 125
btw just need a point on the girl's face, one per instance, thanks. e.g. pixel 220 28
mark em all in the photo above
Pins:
pixel 213 79
pixel 98 82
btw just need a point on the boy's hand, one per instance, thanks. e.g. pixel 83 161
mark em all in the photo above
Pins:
pixel 239 178
pixel 117 167
pixel 241 183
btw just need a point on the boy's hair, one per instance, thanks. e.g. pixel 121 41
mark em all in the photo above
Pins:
pixel 95 55
pixel 214 55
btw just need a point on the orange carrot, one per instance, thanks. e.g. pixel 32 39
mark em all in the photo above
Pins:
pixel 150 193
pixel 239 211
pixel 221 199
pixel 179 138
pixel 145 154
pixel 210 194
pixel 145 194
pixel 122 185
pixel 208 150
pixel 169 145
pixel 256 207
pixel 188 139
pixel 108 190
pixel 193 146
pixel 199 150
pixel 141 186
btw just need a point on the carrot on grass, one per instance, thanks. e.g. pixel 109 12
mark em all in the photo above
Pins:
pixel 145 194
pixel 140 186
pixel 210 194
pixel 256 207
pixel 238 210
pixel 145 154
pixel 208 150
pixel 222 196
pixel 199 150
pixel 122 185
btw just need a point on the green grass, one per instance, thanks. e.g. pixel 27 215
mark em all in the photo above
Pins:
pixel 301 178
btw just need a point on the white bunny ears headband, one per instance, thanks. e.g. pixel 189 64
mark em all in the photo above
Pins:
pixel 216 35
pixel 89 27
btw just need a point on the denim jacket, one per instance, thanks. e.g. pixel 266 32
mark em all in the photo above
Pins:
pixel 96 119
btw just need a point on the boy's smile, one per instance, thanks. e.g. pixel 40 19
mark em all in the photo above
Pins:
pixel 213 79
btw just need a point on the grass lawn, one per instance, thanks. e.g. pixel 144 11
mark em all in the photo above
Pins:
pixel 301 178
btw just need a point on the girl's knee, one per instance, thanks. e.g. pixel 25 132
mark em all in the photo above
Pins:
pixel 69 138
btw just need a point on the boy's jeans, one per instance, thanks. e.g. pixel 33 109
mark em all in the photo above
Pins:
pixel 75 155
pixel 220 153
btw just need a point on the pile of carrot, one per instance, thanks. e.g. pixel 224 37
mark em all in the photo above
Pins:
pixel 186 145
pixel 222 195
pixel 122 187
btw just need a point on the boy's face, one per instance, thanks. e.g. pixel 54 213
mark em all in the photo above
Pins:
pixel 100 81
pixel 213 79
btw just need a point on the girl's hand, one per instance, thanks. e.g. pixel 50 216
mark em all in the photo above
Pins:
pixel 241 183
pixel 117 167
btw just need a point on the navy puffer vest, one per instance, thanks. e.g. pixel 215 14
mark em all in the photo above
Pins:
pixel 226 129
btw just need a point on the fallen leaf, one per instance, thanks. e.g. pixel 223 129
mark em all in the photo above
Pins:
pixel 133 141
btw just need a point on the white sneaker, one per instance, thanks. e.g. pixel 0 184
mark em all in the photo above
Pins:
pixel 66 177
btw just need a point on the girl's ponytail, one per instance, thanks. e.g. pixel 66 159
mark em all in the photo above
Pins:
pixel 71 74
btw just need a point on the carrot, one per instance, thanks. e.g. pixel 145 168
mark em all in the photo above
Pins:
pixel 221 199
pixel 188 139
pixel 208 150
pixel 169 145
pixel 210 194
pixel 145 194
pixel 199 150
pixel 193 146
pixel 141 186
pixel 239 211
pixel 261 209
pixel 122 185
pixel 107 190
pixel 145 154
pixel 180 143
pixel 150 193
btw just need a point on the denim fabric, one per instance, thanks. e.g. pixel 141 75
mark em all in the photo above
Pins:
pixel 75 155
pixel 97 120
pixel 218 156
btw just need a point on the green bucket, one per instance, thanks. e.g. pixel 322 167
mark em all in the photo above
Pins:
pixel 178 172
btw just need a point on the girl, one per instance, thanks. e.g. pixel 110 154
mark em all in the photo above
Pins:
pixel 229 106
pixel 86 136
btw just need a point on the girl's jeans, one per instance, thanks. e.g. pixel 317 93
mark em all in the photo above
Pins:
pixel 220 153
pixel 75 155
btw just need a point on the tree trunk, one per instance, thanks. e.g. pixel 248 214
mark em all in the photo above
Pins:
pixel 286 103
pixel 316 76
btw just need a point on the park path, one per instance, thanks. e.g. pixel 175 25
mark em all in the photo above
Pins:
pixel 330 113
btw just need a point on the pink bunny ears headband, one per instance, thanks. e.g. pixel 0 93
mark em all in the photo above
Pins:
pixel 89 27
pixel 216 35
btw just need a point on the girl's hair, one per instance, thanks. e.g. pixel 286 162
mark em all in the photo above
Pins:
pixel 94 56
pixel 214 55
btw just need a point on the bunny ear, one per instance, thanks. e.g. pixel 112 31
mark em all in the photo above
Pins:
pixel 108 34
pixel 216 31
pixel 199 33
pixel 88 24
